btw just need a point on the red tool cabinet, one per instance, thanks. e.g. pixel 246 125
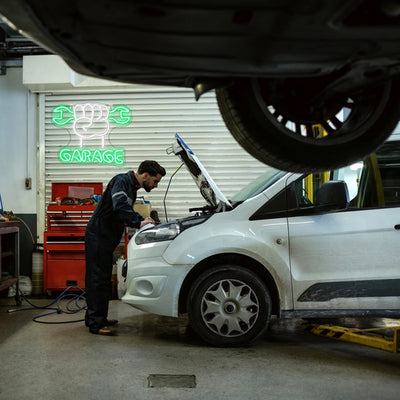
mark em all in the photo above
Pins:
pixel 64 239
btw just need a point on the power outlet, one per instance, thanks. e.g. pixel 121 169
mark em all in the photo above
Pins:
pixel 28 183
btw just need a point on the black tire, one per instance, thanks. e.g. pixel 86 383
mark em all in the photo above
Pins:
pixel 229 306
pixel 270 122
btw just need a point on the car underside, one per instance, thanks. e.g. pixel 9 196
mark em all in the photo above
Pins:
pixel 302 86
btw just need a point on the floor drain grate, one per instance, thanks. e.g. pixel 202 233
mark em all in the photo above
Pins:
pixel 171 381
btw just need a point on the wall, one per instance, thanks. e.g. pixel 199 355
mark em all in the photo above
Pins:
pixel 18 143
pixel 18 157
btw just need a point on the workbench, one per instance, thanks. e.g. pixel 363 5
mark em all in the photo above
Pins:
pixel 9 257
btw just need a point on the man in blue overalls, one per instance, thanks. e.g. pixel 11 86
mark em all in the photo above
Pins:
pixel 103 234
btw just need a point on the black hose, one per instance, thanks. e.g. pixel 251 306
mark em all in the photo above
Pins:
pixel 73 306
pixel 166 192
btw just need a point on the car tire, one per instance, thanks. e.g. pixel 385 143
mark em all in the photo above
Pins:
pixel 229 306
pixel 269 125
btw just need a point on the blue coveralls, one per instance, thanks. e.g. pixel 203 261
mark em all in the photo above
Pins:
pixel 103 234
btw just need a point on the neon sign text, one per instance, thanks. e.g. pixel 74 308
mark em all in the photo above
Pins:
pixel 88 156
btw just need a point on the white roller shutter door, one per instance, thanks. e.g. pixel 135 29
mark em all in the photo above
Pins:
pixel 157 114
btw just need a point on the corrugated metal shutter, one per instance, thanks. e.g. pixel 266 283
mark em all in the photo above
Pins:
pixel 157 114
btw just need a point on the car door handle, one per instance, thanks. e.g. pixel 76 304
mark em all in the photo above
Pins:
pixel 397 227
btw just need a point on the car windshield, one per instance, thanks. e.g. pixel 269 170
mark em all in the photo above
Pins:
pixel 258 185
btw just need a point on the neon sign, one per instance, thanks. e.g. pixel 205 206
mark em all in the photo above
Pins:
pixel 91 121
pixel 85 156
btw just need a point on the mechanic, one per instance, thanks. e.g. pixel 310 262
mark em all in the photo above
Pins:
pixel 103 234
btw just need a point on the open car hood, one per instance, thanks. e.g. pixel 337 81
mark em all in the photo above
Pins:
pixel 208 189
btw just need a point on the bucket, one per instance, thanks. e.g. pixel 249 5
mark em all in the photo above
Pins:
pixel 37 270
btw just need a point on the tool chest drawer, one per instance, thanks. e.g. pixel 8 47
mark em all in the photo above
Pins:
pixel 63 273
pixel 69 217
pixel 66 246
pixel 63 260
pixel 65 255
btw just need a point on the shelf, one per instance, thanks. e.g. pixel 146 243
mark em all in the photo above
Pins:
pixel 9 256
pixel 7 282
pixel 6 254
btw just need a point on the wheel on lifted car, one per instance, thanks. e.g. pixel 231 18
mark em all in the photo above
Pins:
pixel 280 121
pixel 229 305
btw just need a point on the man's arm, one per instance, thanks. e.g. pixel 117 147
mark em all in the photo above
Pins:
pixel 123 204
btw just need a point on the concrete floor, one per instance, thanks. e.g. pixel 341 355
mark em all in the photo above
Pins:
pixel 64 361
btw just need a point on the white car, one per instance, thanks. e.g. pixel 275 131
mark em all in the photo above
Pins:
pixel 290 245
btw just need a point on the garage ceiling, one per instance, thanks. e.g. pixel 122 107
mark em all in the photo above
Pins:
pixel 13 46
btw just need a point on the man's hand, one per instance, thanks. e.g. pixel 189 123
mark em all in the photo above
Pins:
pixel 147 221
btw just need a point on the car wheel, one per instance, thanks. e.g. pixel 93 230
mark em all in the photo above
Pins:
pixel 277 123
pixel 229 306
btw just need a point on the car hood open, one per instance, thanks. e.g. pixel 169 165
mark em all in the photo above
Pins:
pixel 208 188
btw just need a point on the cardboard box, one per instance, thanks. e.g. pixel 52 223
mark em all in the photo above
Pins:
pixel 143 209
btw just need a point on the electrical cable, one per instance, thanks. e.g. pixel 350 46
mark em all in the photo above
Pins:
pixel 19 219
pixel 76 298
pixel 166 192
pixel 27 228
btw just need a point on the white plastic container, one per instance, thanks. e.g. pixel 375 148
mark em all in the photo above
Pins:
pixel 37 272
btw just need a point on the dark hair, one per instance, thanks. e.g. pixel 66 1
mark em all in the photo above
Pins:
pixel 151 167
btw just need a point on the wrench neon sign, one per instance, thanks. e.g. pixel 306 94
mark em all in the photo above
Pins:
pixel 90 121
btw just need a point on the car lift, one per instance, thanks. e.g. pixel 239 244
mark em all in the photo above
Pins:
pixel 367 337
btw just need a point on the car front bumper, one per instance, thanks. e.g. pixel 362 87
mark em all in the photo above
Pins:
pixel 153 285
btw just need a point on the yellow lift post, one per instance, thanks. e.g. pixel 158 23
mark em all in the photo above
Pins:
pixel 367 337
pixel 313 182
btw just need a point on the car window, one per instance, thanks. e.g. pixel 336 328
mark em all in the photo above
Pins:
pixel 258 185
pixel 274 208
pixel 302 193
pixel 371 183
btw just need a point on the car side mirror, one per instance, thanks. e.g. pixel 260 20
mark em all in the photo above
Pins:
pixel 333 195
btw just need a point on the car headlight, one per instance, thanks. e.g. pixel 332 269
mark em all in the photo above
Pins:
pixel 158 233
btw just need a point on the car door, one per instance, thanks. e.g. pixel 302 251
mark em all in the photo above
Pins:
pixel 349 258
